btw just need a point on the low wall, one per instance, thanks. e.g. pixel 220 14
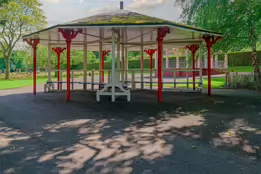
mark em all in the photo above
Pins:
pixel 182 73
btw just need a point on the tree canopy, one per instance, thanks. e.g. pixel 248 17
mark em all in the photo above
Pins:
pixel 238 20
pixel 18 18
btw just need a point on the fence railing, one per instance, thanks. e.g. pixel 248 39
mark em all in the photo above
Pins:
pixel 247 80
pixel 135 79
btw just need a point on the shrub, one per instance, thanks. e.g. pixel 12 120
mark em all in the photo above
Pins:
pixel 245 81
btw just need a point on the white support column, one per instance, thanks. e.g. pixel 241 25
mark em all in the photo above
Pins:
pixel 118 56
pixel 100 56
pixel 117 73
pixel 162 64
pixel 113 67
pixel 61 79
pixel 186 52
pixel 156 59
pixel 177 58
pixel 126 64
pixel 122 56
pixel 141 51
pixel 49 69
pixel 85 55
pixel 226 61
pixel 141 59
pixel 199 63
pixel 216 61
pixel 167 59
pixel 205 61
pixel 200 68
pixel 126 55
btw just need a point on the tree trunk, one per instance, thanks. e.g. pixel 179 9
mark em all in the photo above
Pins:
pixel 254 55
pixel 255 62
pixel 253 41
pixel 7 70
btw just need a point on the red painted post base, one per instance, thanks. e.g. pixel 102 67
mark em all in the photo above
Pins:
pixel 58 51
pixel 33 43
pixel 69 35
pixel 162 32
pixel 150 52
pixel 104 54
pixel 193 49
pixel 210 41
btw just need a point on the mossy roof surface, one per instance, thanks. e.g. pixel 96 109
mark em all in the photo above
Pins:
pixel 124 17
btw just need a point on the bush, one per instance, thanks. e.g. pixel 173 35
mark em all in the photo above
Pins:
pixel 133 64
pixel 244 81
pixel 242 58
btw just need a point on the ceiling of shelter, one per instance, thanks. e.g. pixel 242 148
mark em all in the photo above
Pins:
pixel 132 27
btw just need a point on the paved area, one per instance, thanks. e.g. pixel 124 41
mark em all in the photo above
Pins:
pixel 187 134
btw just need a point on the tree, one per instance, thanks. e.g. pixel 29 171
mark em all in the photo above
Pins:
pixel 20 17
pixel 42 57
pixel 3 2
pixel 76 57
pixel 16 61
pixel 26 54
pixel 238 20
pixel 92 58
pixel 249 20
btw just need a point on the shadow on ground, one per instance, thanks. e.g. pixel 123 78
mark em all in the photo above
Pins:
pixel 188 133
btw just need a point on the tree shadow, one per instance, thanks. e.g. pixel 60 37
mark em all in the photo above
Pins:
pixel 45 135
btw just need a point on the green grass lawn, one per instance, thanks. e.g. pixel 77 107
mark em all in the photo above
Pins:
pixel 241 68
pixel 11 84
pixel 18 83
pixel 216 83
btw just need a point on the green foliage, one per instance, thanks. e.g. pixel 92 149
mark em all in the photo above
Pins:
pixel 42 57
pixel 242 58
pixel 3 2
pixel 132 63
pixel 16 62
pixel 238 20
pixel 108 58
pixel 92 58
pixel 128 18
pixel 232 18
pixel 18 17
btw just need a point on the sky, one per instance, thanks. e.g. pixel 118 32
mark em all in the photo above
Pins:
pixel 60 11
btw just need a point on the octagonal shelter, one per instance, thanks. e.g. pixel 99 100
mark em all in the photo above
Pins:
pixel 118 32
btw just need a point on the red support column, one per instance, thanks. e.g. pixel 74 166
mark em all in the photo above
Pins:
pixel 58 51
pixel 193 49
pixel 68 35
pixel 162 32
pixel 104 54
pixel 33 43
pixel 210 41
pixel 150 52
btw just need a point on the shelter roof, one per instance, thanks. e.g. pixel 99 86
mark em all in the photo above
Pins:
pixel 131 22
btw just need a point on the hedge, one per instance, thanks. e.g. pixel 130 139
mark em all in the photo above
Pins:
pixel 242 59
pixel 133 64
pixel 234 59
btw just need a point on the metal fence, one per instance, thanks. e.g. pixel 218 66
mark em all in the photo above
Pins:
pixel 182 64
pixel 246 80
